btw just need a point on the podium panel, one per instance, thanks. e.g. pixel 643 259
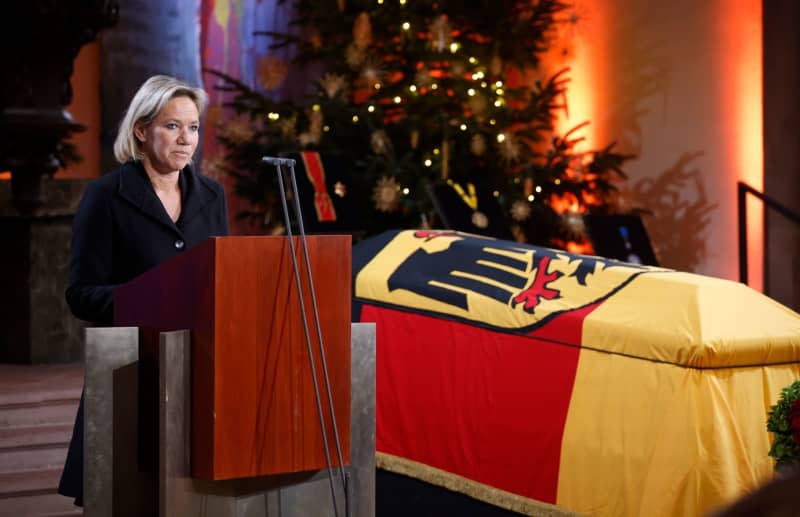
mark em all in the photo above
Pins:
pixel 253 408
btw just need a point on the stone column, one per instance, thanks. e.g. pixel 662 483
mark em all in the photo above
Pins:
pixel 152 37
pixel 41 39
pixel 34 262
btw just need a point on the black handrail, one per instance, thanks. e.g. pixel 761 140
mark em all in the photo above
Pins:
pixel 742 191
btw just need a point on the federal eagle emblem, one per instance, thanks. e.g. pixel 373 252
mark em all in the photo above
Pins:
pixel 501 284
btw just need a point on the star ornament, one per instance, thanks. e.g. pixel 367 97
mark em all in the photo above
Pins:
pixel 386 194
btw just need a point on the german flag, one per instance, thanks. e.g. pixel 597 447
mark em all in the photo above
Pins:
pixel 545 382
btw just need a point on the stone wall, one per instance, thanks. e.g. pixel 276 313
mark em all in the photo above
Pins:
pixel 34 263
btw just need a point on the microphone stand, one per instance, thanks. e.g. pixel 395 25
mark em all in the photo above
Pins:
pixel 279 164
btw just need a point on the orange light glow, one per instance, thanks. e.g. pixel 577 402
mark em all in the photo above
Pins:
pixel 587 60
pixel 567 202
pixel 741 103
pixel 578 247
pixel 5 176
pixel 85 108
pixel 581 248
pixel 721 114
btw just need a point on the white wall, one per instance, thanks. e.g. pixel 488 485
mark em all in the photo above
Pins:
pixel 678 84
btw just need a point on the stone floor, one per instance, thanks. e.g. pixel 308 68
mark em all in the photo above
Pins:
pixel 37 411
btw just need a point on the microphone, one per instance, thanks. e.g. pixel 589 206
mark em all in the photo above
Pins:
pixel 272 160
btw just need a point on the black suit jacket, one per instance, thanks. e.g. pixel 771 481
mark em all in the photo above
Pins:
pixel 120 231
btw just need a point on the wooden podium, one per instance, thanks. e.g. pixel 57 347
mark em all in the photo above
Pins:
pixel 253 409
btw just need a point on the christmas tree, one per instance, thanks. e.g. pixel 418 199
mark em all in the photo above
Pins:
pixel 416 94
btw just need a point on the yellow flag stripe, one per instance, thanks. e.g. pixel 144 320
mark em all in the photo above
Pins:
pixel 655 439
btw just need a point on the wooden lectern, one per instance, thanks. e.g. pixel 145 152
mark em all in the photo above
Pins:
pixel 253 411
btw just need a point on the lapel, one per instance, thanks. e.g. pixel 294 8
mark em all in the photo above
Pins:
pixel 196 194
pixel 135 187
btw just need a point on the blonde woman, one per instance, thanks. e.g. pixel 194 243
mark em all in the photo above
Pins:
pixel 150 209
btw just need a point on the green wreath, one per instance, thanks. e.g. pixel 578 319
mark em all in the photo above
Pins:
pixel 784 422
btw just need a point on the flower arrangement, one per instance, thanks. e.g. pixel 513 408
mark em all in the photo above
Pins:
pixel 784 422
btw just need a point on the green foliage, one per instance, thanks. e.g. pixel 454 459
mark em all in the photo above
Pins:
pixel 784 449
pixel 448 95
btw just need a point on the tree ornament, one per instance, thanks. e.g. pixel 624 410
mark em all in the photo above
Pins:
pixel 372 71
pixel 380 143
pixel 355 56
pixel 334 84
pixel 479 105
pixel 509 148
pixel 470 198
pixel 527 186
pixel 477 144
pixel 386 194
pixel 414 138
pixel 441 33
pixel 362 30
pixel 496 65
pixel 271 72
pixel 520 210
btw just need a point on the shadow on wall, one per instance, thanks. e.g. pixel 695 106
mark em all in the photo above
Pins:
pixel 639 73
pixel 678 223
pixel 639 84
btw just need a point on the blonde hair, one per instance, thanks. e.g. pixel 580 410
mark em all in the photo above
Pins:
pixel 145 107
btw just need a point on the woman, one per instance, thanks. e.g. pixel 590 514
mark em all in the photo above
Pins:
pixel 145 212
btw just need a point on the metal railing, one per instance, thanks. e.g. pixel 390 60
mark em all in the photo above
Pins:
pixel 742 190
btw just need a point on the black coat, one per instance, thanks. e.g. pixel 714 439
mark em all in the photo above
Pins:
pixel 120 231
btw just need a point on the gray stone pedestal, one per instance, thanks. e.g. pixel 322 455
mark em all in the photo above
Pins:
pixel 114 487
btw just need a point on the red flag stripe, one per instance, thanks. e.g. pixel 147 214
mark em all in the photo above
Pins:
pixel 484 405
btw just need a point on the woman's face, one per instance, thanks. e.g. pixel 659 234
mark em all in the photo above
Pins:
pixel 169 141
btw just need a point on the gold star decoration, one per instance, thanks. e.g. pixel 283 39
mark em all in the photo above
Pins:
pixel 520 210
pixel 333 84
pixel 509 148
pixel 354 56
pixel 386 194
pixel 441 34
pixel 477 144
pixel 362 30
pixel 380 143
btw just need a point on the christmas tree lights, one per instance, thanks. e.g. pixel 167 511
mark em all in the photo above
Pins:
pixel 421 92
